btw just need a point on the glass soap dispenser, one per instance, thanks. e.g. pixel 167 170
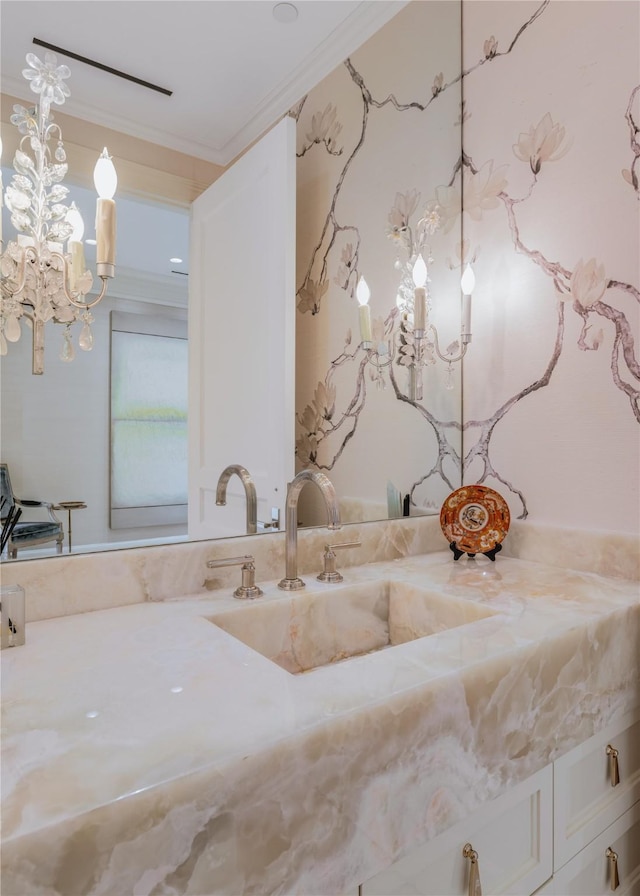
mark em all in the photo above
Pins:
pixel 12 616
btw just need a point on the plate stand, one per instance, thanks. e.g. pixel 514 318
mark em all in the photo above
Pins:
pixel 457 553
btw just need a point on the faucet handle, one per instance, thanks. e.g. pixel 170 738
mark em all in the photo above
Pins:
pixel 248 588
pixel 329 573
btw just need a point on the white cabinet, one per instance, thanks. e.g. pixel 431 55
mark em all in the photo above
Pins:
pixel 569 819
pixel 512 838
pixel 587 798
pixel 610 863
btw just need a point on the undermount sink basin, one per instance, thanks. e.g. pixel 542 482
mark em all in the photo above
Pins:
pixel 314 628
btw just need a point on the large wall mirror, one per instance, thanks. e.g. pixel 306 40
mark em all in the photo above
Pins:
pixel 378 145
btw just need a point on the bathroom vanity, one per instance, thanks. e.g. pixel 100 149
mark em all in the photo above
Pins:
pixel 208 745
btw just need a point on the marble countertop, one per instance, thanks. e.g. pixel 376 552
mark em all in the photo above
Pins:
pixel 146 751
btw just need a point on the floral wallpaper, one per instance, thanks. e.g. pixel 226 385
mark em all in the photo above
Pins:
pixel 552 394
pixel 376 140
pixel 519 157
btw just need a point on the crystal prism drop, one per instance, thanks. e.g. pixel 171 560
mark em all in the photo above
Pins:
pixel 60 154
pixel 86 338
pixel 3 344
pixel 448 381
pixel 67 353
pixel 12 328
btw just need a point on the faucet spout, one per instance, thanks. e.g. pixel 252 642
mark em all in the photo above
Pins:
pixel 291 581
pixel 249 490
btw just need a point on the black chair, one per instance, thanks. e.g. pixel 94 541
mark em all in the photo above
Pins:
pixel 26 533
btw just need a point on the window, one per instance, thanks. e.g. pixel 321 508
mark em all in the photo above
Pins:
pixel 148 420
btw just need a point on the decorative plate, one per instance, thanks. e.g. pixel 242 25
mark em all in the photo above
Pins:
pixel 475 518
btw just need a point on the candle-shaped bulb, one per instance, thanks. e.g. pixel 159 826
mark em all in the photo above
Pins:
pixel 419 272
pixel 467 284
pixel 77 266
pixel 363 293
pixel 75 219
pixel 105 177
pixel 106 181
pixel 468 281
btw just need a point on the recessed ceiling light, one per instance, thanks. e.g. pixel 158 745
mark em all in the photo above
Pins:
pixel 285 12
pixel 175 260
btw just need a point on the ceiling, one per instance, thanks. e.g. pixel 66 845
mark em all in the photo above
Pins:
pixel 233 69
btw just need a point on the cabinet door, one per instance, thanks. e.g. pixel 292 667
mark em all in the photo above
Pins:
pixel 586 798
pixel 590 872
pixel 512 837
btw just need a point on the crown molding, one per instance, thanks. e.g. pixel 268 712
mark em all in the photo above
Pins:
pixel 362 24
pixel 150 181
pixel 156 289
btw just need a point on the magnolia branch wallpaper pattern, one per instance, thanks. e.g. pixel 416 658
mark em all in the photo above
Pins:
pixel 521 157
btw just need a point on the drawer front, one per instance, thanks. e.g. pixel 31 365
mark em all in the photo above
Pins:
pixel 585 800
pixel 590 873
pixel 512 837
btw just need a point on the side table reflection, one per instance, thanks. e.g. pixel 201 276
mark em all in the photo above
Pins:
pixel 69 506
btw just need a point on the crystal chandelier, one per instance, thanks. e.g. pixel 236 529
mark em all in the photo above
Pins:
pixel 40 279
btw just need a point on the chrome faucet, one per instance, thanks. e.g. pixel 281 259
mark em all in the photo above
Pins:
pixel 249 489
pixel 291 582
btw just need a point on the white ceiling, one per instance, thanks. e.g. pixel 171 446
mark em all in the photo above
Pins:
pixel 233 69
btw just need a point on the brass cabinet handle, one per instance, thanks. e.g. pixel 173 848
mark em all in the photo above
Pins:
pixel 475 888
pixel 614 877
pixel 614 771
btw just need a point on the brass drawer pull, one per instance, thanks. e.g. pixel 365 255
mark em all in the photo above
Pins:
pixel 475 889
pixel 614 771
pixel 614 877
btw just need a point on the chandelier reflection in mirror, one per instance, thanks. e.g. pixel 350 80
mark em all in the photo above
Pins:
pixel 42 281
pixel 415 342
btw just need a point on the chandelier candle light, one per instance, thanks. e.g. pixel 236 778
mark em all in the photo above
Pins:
pixel 414 343
pixel 419 297
pixel 363 293
pixel 39 280
pixel 467 285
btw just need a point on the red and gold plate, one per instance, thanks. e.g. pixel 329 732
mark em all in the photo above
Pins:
pixel 475 518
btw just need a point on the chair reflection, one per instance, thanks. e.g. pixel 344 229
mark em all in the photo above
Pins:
pixel 18 533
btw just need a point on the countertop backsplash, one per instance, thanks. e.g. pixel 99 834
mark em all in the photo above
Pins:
pixel 57 586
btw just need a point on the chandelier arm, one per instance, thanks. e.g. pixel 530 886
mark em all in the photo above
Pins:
pixel 87 305
pixel 379 365
pixel 8 291
pixel 446 358
pixel 72 301
pixel 373 356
